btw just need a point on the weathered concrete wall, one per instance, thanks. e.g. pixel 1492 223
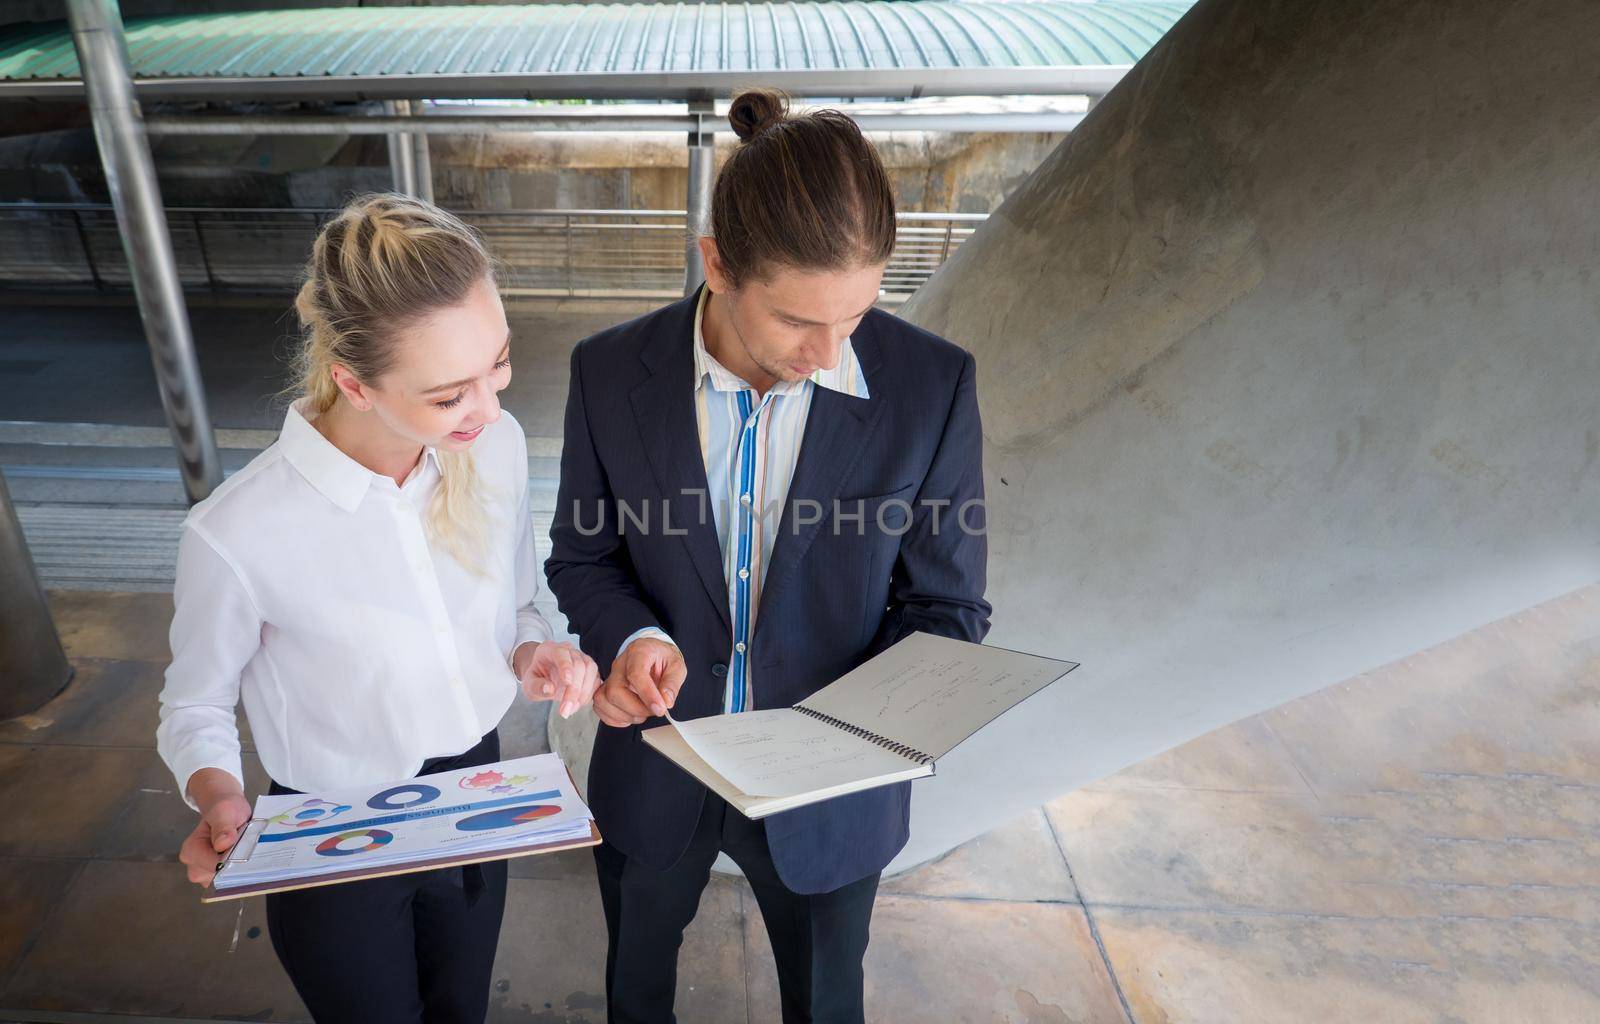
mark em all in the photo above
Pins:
pixel 931 171
pixel 937 171
pixel 1288 362
pixel 313 171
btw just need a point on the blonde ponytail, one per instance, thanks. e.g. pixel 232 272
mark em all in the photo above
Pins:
pixel 456 510
pixel 384 262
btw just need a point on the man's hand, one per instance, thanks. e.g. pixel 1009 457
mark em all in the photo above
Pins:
pixel 644 681
pixel 556 671
pixel 224 812
pixel 616 705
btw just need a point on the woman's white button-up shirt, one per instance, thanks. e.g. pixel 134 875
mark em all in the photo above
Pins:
pixel 308 588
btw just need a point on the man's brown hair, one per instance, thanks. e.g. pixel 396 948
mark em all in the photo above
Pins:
pixel 806 192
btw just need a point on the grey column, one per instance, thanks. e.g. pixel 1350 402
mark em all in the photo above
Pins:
pixel 33 667
pixel 131 178
pixel 702 176
pixel 402 155
pixel 1288 371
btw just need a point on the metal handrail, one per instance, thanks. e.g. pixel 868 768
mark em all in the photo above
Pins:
pixel 26 205
pixel 546 252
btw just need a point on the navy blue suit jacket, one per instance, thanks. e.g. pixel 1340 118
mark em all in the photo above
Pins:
pixel 837 590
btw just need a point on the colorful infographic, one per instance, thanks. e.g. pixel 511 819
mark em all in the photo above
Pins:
pixel 447 817
pixel 312 811
pixel 409 795
pixel 495 782
pixel 359 841
pixel 505 817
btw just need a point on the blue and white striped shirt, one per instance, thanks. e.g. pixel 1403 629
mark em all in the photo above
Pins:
pixel 750 446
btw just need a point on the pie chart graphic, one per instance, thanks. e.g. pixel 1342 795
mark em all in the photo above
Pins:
pixel 506 817
pixel 409 795
pixel 346 843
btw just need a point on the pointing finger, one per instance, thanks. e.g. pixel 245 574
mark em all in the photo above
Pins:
pixel 672 677
pixel 640 683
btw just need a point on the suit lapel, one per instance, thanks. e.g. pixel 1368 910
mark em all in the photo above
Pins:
pixel 663 405
pixel 838 429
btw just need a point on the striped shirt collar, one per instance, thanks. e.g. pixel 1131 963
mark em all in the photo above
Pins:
pixel 846 378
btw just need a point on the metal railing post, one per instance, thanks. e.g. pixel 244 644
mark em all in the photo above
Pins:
pixel 142 223
pixel 568 222
pixel 402 157
pixel 702 176
pixel 88 253
pixel 200 243
pixel 33 666
pixel 421 162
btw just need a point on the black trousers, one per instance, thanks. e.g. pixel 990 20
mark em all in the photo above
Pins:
pixel 818 941
pixel 407 949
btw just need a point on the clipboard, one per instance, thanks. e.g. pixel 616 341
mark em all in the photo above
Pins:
pixel 245 847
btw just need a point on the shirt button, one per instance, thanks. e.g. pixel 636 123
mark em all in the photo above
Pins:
pixel 744 574
pixel 719 670
pixel 739 648
pixel 744 499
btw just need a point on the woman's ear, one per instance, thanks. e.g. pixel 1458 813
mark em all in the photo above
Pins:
pixel 351 387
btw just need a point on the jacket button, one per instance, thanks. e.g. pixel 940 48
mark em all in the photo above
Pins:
pixel 719 670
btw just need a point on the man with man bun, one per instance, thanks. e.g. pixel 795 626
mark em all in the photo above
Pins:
pixel 801 457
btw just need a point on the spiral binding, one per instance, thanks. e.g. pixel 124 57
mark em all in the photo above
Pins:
pixel 911 753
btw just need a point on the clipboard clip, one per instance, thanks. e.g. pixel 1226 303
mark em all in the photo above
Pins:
pixel 245 845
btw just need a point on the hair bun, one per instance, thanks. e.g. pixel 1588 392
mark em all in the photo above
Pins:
pixel 755 110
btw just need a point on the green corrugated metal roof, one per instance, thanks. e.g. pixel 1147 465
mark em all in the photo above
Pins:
pixel 612 39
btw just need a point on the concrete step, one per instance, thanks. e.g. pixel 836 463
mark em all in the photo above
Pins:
pixel 102 506
pixel 108 547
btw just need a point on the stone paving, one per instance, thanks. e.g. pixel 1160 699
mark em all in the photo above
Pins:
pixel 1414 845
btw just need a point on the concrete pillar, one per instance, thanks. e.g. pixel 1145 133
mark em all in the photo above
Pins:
pixel 1287 360
pixel 141 220
pixel 702 178
pixel 33 667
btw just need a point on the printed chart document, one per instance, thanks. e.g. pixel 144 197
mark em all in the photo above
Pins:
pixel 887 721
pixel 489 812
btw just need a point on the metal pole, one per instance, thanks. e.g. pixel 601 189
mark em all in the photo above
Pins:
pixel 402 158
pixel 702 176
pixel 33 667
pixel 131 178
pixel 421 162
pixel 458 124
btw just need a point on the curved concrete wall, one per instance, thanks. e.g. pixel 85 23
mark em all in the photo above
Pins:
pixel 1288 366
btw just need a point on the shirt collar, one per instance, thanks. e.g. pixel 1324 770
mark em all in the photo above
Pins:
pixel 335 475
pixel 846 378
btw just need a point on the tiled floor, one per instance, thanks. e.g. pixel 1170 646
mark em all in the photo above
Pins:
pixel 1415 845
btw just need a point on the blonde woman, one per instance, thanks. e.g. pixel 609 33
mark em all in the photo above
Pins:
pixel 366 587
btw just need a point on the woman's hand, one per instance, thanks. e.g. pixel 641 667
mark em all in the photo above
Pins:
pixel 556 671
pixel 224 812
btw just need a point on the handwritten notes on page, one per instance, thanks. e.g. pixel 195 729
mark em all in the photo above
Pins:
pixel 782 752
pixel 884 722
pixel 931 692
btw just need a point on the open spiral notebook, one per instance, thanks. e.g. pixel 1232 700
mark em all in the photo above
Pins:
pixel 888 720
